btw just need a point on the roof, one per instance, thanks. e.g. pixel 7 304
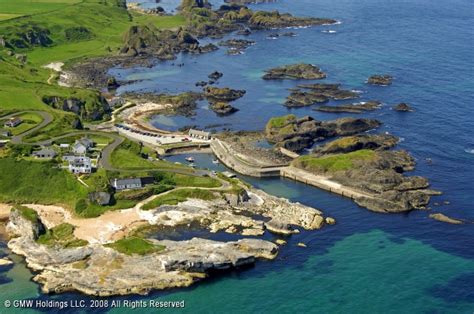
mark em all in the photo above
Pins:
pixel 45 151
pixel 127 181
pixel 15 119
pixel 199 132
pixel 85 141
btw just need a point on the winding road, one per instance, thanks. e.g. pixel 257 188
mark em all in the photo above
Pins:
pixel 106 152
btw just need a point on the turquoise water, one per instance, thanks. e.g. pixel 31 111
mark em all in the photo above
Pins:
pixel 367 263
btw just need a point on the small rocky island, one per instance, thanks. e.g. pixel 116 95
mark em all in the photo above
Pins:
pixel 358 107
pixel 301 71
pixel 382 80
pixel 311 94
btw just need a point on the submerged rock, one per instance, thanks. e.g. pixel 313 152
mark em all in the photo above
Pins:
pixel 443 218
pixel 383 80
pixel 300 71
pixel 352 108
pixel 310 94
pixel 215 75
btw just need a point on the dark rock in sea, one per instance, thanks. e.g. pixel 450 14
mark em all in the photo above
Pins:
pixel 248 1
pixel 234 52
pixel 352 108
pixel 237 43
pixel 222 108
pixel 215 94
pixel 403 107
pixel 273 36
pixel 244 32
pixel 201 83
pixel 215 75
pixel 382 80
pixel 301 71
pixel 296 134
pixel 310 94
pixel 288 34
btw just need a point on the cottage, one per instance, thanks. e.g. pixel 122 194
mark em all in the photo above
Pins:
pixel 79 164
pixel 127 184
pixel 5 133
pixel 202 135
pixel 82 146
pixel 13 122
pixel 45 153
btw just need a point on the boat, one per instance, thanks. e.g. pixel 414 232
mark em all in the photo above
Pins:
pixel 190 159
pixel 215 161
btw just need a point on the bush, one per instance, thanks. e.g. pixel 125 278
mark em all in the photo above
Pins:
pixel 78 33
pixel 81 206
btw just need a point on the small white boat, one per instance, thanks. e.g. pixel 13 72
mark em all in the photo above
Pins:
pixel 215 161
pixel 190 159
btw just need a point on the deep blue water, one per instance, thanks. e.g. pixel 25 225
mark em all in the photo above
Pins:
pixel 367 262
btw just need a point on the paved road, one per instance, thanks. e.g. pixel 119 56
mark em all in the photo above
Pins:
pixel 47 119
pixel 106 152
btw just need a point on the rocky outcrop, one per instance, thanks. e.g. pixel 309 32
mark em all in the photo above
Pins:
pixel 359 107
pixel 402 107
pixel 90 108
pixel 354 143
pixel 28 36
pixel 296 134
pixel 237 46
pixel 271 20
pixel 215 75
pixel 222 108
pixel 443 218
pixel 100 270
pixel 310 94
pixel 383 80
pixel 301 71
pixel 215 94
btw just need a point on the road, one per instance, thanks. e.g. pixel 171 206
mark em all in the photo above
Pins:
pixel 106 152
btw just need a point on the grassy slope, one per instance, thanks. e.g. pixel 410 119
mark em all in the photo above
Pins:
pixel 21 87
pixel 333 163
pixel 37 182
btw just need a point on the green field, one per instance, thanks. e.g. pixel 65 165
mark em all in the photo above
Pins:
pixel 30 120
pixel 333 163
pixel 135 245
pixel 22 86
pixel 24 181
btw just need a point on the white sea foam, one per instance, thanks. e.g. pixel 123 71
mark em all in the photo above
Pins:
pixel 469 150
pixel 329 31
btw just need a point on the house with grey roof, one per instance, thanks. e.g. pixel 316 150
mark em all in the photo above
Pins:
pixel 127 184
pixel 82 146
pixel 202 135
pixel 45 153
pixel 13 122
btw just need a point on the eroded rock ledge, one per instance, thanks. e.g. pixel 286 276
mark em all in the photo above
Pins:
pixel 99 270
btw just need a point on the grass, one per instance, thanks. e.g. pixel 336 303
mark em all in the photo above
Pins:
pixel 135 245
pixel 62 235
pixel 24 181
pixel 192 181
pixel 22 86
pixel 343 142
pixel 177 196
pixel 279 122
pixel 27 213
pixel 333 163
pixel 30 120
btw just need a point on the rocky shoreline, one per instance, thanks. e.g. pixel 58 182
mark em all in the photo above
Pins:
pixel 98 269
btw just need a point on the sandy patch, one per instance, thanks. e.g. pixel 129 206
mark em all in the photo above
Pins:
pixel 55 66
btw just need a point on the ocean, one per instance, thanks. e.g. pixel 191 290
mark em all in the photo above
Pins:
pixel 367 262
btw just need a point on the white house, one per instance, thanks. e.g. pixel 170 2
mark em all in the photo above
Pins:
pixel 82 146
pixel 79 164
